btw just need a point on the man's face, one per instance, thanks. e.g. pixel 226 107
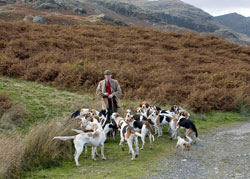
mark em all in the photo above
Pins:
pixel 107 77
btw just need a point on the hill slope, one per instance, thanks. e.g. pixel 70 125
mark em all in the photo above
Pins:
pixel 172 15
pixel 200 71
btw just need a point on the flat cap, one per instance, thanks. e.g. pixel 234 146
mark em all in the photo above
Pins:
pixel 107 72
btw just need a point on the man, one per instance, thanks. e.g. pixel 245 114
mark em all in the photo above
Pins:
pixel 109 90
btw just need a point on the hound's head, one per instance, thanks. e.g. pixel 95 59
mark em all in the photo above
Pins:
pixel 175 108
pixel 183 114
pixel 144 105
pixel 88 116
pixel 186 146
pixel 153 113
pixel 93 112
pixel 139 110
pixel 128 120
pixel 95 118
pixel 115 115
pixel 128 113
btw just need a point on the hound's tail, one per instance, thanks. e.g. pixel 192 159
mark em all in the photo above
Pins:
pixel 195 130
pixel 137 134
pixel 77 131
pixel 64 137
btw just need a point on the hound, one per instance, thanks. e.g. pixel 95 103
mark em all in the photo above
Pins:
pixel 94 139
pixel 189 127
pixel 145 128
pixel 129 134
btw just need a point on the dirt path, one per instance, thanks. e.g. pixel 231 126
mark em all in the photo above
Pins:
pixel 224 153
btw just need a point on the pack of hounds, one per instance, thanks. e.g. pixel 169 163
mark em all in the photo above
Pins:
pixel 96 125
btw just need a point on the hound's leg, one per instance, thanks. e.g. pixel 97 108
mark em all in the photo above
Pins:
pixel 143 135
pixel 93 153
pixel 79 149
pixel 113 133
pixel 156 130
pixel 130 142
pixel 96 153
pixel 159 131
pixel 86 151
pixel 102 151
pixel 150 140
pixel 169 128
pixel 136 147
pixel 122 141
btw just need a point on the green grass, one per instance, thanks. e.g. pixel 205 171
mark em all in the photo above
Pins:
pixel 45 103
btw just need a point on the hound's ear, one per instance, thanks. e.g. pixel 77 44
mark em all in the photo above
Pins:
pixel 119 123
pixel 147 104
pixel 117 115
pixel 97 117
pixel 141 104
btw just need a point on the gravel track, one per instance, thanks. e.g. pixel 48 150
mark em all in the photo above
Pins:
pixel 224 153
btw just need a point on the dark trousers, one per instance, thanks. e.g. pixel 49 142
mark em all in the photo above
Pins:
pixel 112 107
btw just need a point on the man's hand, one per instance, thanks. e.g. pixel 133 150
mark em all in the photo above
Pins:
pixel 106 94
pixel 110 96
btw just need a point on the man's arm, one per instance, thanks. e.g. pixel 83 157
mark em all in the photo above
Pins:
pixel 118 91
pixel 99 90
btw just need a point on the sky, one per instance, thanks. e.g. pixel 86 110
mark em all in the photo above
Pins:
pixel 221 7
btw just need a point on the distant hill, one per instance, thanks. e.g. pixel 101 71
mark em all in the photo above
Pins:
pixel 179 13
pixel 170 15
pixel 236 22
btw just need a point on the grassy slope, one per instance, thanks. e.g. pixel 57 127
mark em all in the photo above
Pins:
pixel 48 103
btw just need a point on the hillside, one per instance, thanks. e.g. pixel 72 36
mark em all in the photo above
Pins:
pixel 201 72
pixel 236 22
pixel 171 15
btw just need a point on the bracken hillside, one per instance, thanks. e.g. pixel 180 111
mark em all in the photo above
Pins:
pixel 200 72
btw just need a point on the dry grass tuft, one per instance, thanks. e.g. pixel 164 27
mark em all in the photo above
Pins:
pixel 36 149
pixel 11 152
pixel 40 148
